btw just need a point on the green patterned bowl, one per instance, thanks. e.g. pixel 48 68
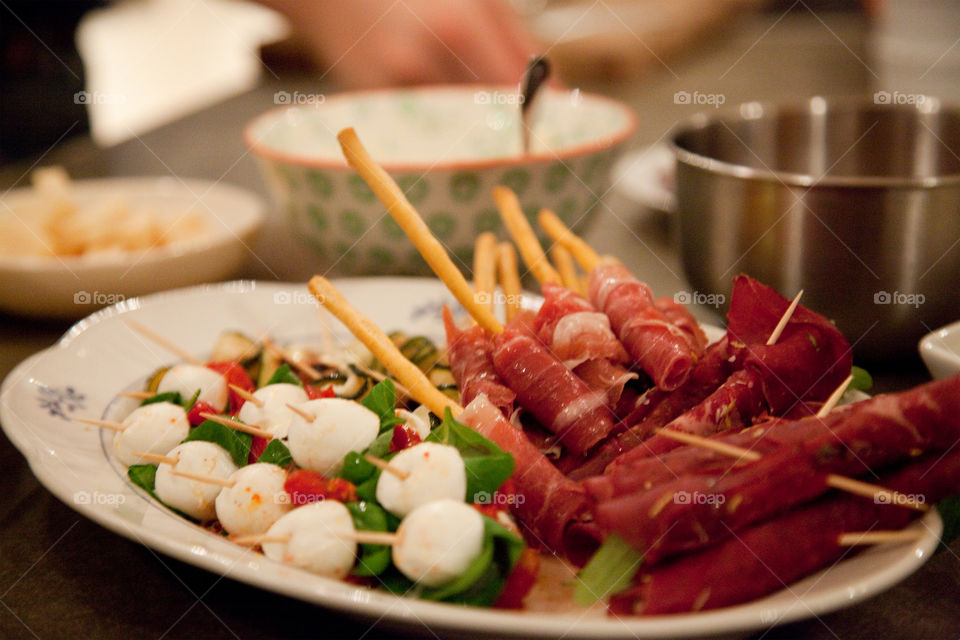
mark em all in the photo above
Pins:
pixel 447 147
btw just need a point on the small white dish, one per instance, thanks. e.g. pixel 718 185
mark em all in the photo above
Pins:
pixel 647 178
pixel 940 350
pixel 73 286
pixel 100 356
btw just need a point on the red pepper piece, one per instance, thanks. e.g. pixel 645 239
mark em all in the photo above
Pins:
pixel 404 437
pixel 194 417
pixel 305 486
pixel 256 449
pixel 235 375
pixel 520 580
pixel 313 392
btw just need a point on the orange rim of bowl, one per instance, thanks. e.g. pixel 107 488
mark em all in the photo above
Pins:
pixel 607 142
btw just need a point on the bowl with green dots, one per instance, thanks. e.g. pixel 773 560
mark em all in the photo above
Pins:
pixel 447 147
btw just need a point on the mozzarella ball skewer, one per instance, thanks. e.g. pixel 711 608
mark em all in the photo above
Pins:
pixel 324 430
pixel 254 500
pixel 434 472
pixel 187 379
pixel 267 407
pixel 193 497
pixel 153 428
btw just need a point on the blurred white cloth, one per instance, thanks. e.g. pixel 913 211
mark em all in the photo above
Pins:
pixel 151 61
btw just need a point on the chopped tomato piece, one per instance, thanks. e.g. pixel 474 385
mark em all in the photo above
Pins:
pixel 305 486
pixel 256 449
pixel 404 437
pixel 237 376
pixel 313 392
pixel 200 406
pixel 520 580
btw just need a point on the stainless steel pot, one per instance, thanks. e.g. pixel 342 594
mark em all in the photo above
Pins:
pixel 857 203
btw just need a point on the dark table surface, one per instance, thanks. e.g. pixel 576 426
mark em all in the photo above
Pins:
pixel 61 575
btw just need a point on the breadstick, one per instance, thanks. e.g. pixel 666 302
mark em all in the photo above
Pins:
pixel 382 347
pixel 509 279
pixel 416 229
pixel 522 234
pixel 563 261
pixel 558 232
pixel 485 269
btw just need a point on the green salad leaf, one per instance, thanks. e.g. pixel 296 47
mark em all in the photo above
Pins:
pixel 382 400
pixel 374 558
pixel 144 476
pixel 172 397
pixel 235 442
pixel 284 374
pixel 487 465
pixel 609 571
pixel 862 381
pixel 276 453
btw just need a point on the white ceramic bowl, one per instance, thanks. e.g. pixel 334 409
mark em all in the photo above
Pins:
pixel 940 351
pixel 74 286
pixel 447 147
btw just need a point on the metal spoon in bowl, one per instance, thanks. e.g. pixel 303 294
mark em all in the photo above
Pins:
pixel 534 77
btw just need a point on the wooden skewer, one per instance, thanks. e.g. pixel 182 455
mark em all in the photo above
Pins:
pixel 306 415
pixel 106 424
pixel 163 342
pixel 509 279
pixel 383 465
pixel 416 229
pixel 238 426
pixel 522 233
pixel 384 350
pixel 784 319
pixel 156 457
pixel 260 538
pixel 855 487
pixel 485 269
pixel 582 252
pixel 139 395
pixel 855 538
pixel 208 479
pixel 246 395
pixel 302 367
pixel 835 397
pixel 563 260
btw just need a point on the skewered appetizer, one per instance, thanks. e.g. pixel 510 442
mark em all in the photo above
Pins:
pixel 355 487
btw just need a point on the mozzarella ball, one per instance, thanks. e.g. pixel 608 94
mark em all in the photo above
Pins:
pixel 274 416
pixel 193 497
pixel 255 501
pixel 418 420
pixel 319 539
pixel 340 426
pixel 436 472
pixel 186 379
pixel 154 428
pixel 438 541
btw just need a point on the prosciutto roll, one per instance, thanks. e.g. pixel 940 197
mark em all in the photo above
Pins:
pixel 764 558
pixel 663 350
pixel 551 503
pixel 573 328
pixel 678 315
pixel 472 367
pixel 695 511
pixel 545 387
pixel 810 359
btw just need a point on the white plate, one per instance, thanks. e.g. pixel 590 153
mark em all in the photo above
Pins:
pixel 99 356
pixel 647 178
pixel 73 286
pixel 940 350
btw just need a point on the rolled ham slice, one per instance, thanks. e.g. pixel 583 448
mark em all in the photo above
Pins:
pixel 663 350
pixel 472 367
pixel 763 558
pixel 551 503
pixel 545 387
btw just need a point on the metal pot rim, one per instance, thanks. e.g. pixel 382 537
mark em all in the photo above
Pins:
pixel 817 105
